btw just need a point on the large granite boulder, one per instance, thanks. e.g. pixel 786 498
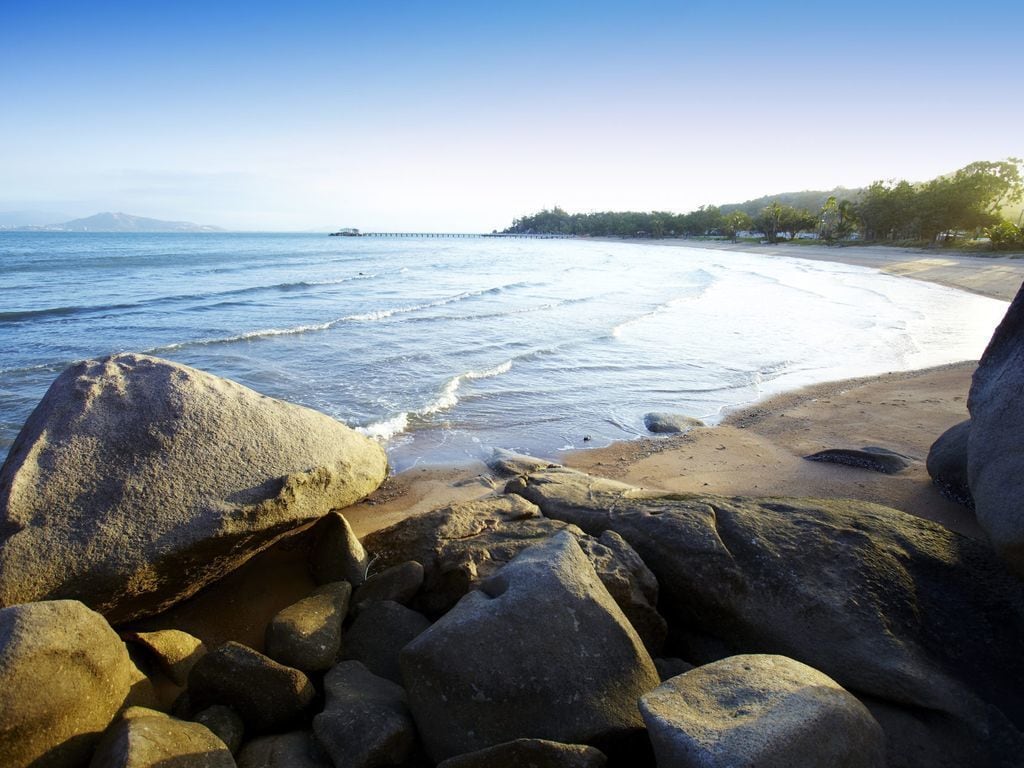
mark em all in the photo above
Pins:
pixel 463 544
pixel 761 710
pixel 378 635
pixel 995 461
pixel 64 675
pixel 540 650
pixel 145 738
pixel 137 481
pixel 919 622
pixel 947 463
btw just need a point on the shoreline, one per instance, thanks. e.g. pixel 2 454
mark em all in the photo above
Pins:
pixel 755 451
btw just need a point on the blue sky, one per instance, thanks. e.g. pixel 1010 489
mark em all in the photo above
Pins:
pixel 461 116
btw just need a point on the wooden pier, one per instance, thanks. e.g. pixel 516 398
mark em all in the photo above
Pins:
pixel 464 234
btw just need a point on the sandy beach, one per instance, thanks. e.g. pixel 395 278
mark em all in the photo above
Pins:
pixel 759 450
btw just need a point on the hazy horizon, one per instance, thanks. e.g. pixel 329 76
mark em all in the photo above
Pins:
pixel 463 117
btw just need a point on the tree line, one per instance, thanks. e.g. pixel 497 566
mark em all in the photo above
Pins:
pixel 967 203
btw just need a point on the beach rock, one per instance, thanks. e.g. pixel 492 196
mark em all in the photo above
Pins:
pixel 761 710
pixel 379 633
pixel 137 481
pixel 298 749
pixel 64 674
pixel 947 464
pixel 670 423
pixel 399 584
pixel 510 464
pixel 307 635
pixel 463 544
pixel 899 610
pixel 268 696
pixel 145 738
pixel 870 457
pixel 175 651
pixel 630 583
pixel 224 723
pixel 531 753
pixel 995 461
pixel 540 650
pixel 337 554
pixel 365 722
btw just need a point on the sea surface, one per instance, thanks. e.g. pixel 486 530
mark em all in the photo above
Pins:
pixel 446 348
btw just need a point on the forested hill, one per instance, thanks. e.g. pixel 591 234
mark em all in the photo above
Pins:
pixel 971 203
pixel 808 200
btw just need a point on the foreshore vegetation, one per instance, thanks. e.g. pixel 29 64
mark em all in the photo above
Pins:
pixel 967 206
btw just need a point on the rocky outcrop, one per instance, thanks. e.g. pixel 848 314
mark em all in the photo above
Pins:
pixel 137 481
pixel 534 753
pixel 463 544
pixel 64 674
pixel 307 634
pixel 145 738
pixel 540 650
pixel 898 610
pixel 365 722
pixel 268 696
pixel 661 423
pixel 995 462
pixel 760 710
pixel 870 457
pixel 947 464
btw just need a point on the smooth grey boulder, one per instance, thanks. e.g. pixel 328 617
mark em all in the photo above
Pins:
pixel 399 583
pixel 337 554
pixel 268 696
pixel 64 674
pixel 540 650
pixel 870 457
pixel 509 463
pixel 663 423
pixel 298 749
pixel 145 738
pixel 307 635
pixel 995 461
pixel 224 723
pixel 366 721
pixel 947 464
pixel 176 652
pixel 760 710
pixel 463 544
pixel 902 612
pixel 531 753
pixel 137 481
pixel 379 633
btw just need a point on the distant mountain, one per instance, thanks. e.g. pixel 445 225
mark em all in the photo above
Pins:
pixel 123 222
pixel 116 222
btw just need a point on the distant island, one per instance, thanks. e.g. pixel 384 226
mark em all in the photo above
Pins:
pixel 115 222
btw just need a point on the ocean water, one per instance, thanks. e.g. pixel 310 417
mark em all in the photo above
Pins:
pixel 446 348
